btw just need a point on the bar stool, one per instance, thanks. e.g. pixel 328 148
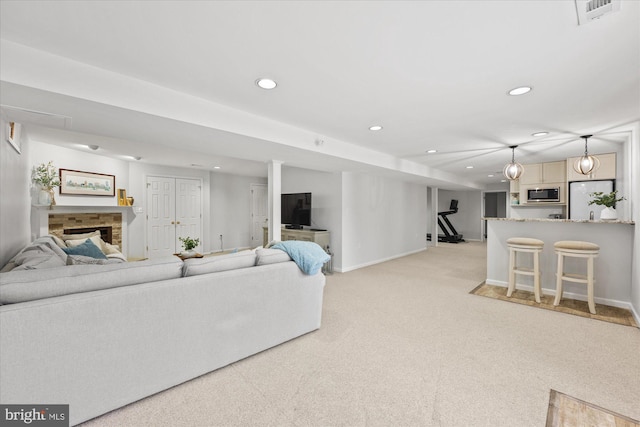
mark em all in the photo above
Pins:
pixel 526 245
pixel 576 249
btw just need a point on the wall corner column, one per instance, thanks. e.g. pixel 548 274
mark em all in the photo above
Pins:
pixel 274 191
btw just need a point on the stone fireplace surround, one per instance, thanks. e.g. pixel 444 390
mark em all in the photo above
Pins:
pixel 55 221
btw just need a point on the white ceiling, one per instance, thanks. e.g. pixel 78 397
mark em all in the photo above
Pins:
pixel 434 74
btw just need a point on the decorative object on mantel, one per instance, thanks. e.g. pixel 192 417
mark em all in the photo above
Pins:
pixel 87 183
pixel 513 170
pixel 13 136
pixel 608 200
pixel 586 164
pixel 46 178
pixel 189 245
pixel 122 197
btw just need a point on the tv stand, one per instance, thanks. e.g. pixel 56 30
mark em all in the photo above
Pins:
pixel 293 227
pixel 323 238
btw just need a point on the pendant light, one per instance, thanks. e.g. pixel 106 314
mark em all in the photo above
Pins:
pixel 586 164
pixel 513 170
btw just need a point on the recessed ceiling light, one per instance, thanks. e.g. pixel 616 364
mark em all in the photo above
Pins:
pixel 520 90
pixel 93 147
pixel 134 157
pixel 375 128
pixel 490 175
pixel 469 167
pixel 432 151
pixel 503 180
pixel 540 134
pixel 266 83
pixel 216 167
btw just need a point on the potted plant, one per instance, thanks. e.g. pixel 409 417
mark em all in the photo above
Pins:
pixel 608 200
pixel 189 245
pixel 46 178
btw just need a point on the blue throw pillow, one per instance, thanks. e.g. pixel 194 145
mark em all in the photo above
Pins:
pixel 87 249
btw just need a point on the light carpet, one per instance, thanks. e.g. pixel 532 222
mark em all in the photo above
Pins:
pixel 403 343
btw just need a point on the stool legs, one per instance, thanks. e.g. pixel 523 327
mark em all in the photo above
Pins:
pixel 536 277
pixel 559 274
pixel 592 305
pixel 512 273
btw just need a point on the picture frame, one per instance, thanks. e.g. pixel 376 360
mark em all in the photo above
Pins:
pixel 73 182
pixel 13 136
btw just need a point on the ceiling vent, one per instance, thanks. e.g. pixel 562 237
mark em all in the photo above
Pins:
pixel 41 118
pixel 588 10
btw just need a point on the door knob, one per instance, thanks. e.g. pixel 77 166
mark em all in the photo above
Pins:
pixel 172 222
pixel 178 222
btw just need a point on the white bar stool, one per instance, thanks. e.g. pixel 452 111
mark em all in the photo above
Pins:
pixel 576 249
pixel 526 245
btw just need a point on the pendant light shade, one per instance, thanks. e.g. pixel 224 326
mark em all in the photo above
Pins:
pixel 513 170
pixel 586 164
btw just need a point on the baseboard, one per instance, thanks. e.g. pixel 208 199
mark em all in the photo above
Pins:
pixel 580 297
pixel 367 264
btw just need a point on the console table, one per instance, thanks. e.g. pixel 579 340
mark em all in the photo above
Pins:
pixel 322 238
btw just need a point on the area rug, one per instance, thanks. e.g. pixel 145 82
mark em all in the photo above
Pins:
pixel 605 313
pixel 565 411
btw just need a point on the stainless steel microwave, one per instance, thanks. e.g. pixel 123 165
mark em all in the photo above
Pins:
pixel 543 195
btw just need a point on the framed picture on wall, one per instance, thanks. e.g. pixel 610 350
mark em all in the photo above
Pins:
pixel 13 136
pixel 74 182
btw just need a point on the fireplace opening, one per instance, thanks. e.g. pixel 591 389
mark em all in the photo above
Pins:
pixel 105 232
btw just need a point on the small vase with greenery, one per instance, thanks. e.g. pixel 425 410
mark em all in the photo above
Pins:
pixel 608 200
pixel 46 177
pixel 189 244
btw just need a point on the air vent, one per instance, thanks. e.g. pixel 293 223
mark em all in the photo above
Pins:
pixel 588 10
pixel 40 118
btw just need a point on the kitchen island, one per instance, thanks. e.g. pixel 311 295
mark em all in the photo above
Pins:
pixel 612 267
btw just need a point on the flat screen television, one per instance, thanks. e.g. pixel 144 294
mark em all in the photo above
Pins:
pixel 295 209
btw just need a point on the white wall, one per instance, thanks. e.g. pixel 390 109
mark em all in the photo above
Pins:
pixel 382 218
pixel 326 202
pixel 66 158
pixel 231 210
pixel 15 201
pixel 468 220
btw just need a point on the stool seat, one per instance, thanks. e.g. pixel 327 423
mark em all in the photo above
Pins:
pixel 576 245
pixel 576 249
pixel 525 241
pixel 524 245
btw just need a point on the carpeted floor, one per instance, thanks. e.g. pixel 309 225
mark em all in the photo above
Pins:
pixel 403 343
pixel 605 313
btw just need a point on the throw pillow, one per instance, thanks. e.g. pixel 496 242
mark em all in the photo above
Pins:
pixel 88 248
pixel 96 240
pixel 82 236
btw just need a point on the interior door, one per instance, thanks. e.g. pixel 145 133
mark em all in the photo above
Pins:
pixel 259 210
pixel 188 211
pixel 495 206
pixel 161 206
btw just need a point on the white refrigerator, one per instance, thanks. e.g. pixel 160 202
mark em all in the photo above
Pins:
pixel 579 198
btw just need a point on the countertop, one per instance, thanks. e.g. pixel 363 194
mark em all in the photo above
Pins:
pixel 560 220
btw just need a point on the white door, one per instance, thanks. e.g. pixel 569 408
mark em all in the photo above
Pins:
pixel 161 205
pixel 259 209
pixel 174 211
pixel 188 211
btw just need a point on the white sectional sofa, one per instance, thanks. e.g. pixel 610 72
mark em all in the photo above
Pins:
pixel 98 337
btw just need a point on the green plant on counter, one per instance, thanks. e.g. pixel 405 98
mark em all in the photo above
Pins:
pixel 605 199
pixel 188 243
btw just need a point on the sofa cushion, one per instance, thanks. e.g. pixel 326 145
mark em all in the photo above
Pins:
pixel 212 264
pixel 271 256
pixel 20 286
pixel 87 248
